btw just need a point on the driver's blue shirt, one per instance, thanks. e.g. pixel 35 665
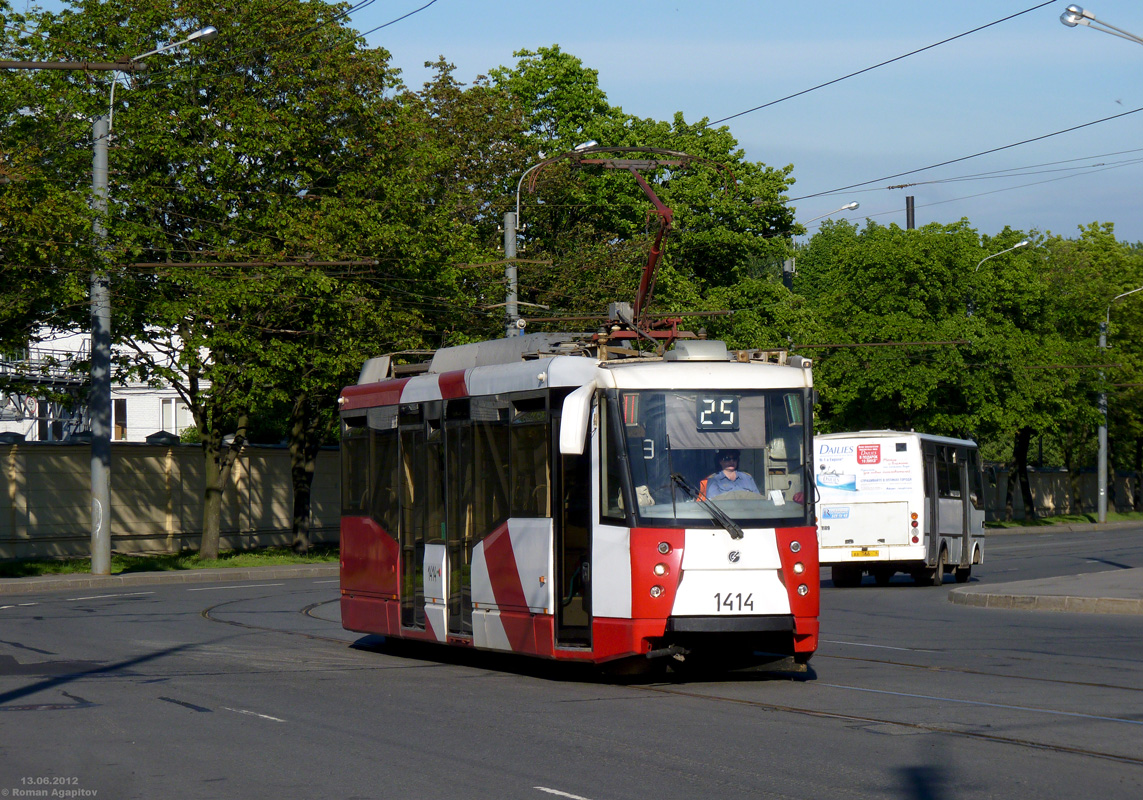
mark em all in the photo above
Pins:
pixel 718 483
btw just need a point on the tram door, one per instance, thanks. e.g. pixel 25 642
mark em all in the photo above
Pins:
pixel 422 502
pixel 573 548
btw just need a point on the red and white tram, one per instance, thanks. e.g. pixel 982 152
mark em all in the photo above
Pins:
pixel 541 495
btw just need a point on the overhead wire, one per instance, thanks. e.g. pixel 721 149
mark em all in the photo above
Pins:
pixel 877 66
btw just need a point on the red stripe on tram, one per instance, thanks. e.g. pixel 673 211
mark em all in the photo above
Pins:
pixel 503 574
pixel 452 385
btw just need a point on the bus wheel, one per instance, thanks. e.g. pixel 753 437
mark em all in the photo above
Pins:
pixel 937 575
pixel 845 576
pixel 883 575
pixel 962 574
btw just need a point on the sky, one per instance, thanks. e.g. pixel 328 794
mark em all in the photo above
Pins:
pixel 1021 79
pixel 1016 80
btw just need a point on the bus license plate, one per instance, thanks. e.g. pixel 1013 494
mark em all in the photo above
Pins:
pixel 864 553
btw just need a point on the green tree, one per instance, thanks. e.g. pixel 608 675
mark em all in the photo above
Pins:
pixel 594 225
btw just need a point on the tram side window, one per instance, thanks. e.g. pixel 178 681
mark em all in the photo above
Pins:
pixel 384 501
pixel 531 473
pixel 611 483
pixel 490 456
pixel 354 465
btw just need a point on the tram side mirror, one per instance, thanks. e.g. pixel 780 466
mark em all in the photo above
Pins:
pixel 575 419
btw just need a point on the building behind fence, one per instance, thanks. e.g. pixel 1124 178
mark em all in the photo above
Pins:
pixel 156 499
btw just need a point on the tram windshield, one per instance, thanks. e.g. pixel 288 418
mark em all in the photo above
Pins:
pixel 698 457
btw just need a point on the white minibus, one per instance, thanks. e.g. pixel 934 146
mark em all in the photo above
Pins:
pixel 892 501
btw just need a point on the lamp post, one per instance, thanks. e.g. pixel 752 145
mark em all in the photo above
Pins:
pixel 970 306
pixel 1075 15
pixel 1101 467
pixel 99 398
pixel 511 223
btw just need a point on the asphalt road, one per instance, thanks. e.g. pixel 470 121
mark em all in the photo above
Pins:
pixel 252 690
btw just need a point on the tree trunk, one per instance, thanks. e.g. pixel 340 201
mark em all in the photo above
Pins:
pixel 305 441
pixel 1020 456
pixel 1138 500
pixel 219 461
pixel 1009 494
pixel 212 499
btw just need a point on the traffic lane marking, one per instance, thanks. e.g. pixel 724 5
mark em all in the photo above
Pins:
pixel 245 586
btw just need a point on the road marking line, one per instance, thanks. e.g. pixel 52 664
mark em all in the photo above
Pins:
pixel 987 705
pixel 879 646
pixel 24 605
pixel 253 714
pixel 102 596
pixel 558 793
pixel 246 586
pixel 335 580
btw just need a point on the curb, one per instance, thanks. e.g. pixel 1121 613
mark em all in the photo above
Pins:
pixel 1070 527
pixel 63 583
pixel 1030 602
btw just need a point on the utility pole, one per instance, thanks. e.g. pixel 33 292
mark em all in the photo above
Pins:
pixel 510 273
pixel 1101 467
pixel 910 222
pixel 99 398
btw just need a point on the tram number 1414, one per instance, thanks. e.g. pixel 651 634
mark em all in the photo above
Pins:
pixel 732 602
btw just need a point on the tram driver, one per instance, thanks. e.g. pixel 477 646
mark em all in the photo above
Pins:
pixel 727 478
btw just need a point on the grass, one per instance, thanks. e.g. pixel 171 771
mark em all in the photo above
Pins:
pixel 1065 519
pixel 122 564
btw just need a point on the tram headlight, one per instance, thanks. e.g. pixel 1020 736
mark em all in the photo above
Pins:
pixel 803 590
pixel 664 548
pixel 795 546
pixel 656 591
pixel 799 568
pixel 660 570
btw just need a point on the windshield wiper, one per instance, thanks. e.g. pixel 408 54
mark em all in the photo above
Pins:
pixel 716 513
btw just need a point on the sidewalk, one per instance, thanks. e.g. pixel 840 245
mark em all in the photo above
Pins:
pixel 80 581
pixel 1116 591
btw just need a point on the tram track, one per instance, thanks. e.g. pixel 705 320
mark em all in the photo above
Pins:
pixel 211 614
pixel 918 726
pixel 977 672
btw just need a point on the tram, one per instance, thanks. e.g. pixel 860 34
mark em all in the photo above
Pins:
pixel 564 497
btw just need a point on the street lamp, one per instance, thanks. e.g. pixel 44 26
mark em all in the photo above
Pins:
pixel 846 207
pixel 1101 467
pixel 99 397
pixel 511 223
pixel 788 264
pixel 1074 15
pixel 970 306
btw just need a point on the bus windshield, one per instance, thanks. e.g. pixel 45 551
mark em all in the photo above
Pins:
pixel 741 452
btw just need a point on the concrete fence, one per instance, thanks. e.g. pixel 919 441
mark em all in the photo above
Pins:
pixel 1056 491
pixel 156 499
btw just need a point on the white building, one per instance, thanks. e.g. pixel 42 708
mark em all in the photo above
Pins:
pixel 48 371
